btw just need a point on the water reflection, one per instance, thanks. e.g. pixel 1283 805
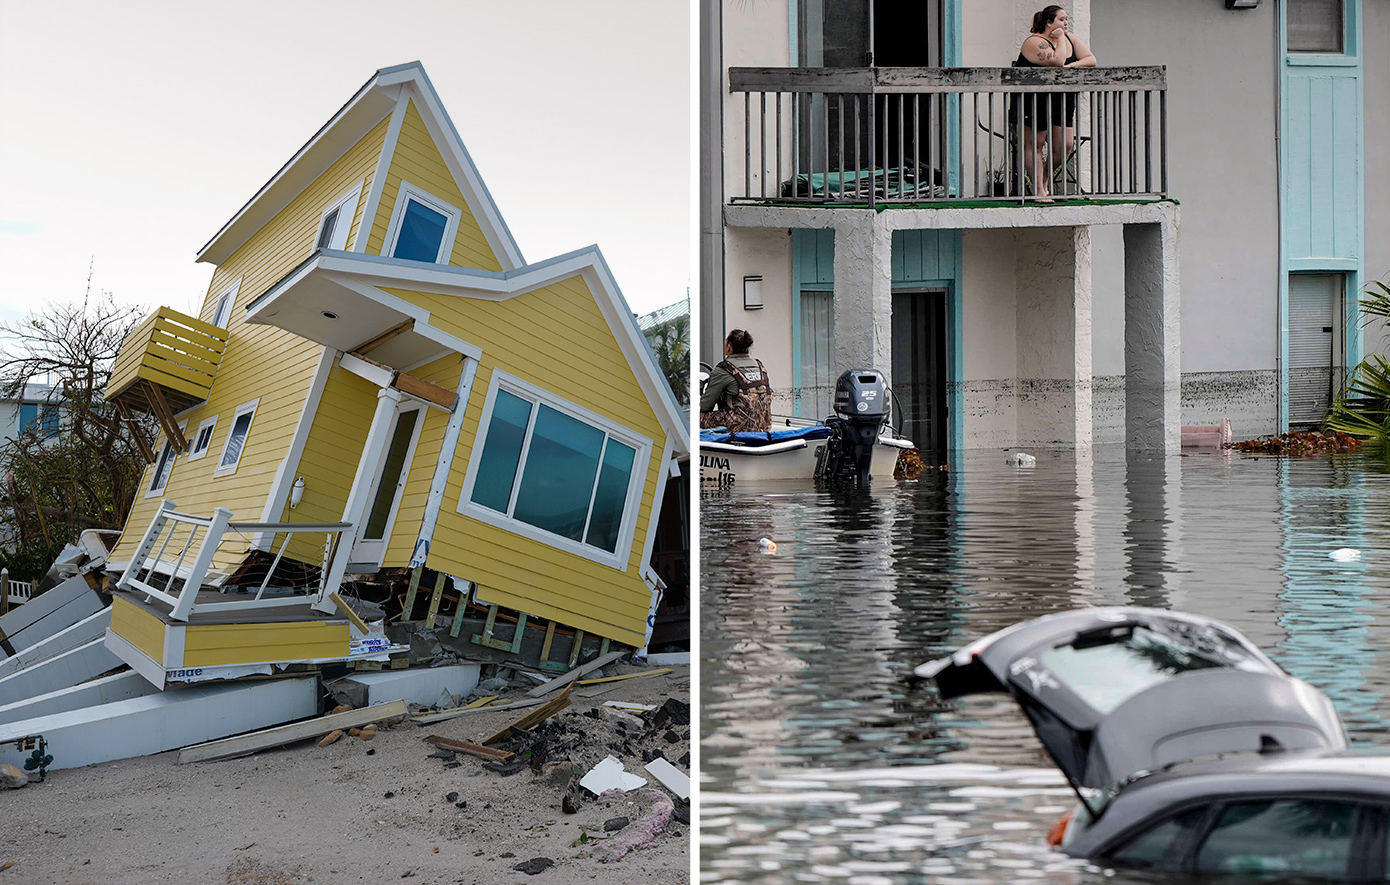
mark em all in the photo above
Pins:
pixel 820 765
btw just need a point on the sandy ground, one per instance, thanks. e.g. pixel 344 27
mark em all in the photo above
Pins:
pixel 354 811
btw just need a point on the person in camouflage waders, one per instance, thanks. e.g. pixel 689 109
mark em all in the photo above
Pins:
pixel 738 396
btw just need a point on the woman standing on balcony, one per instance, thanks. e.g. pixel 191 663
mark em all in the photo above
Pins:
pixel 1049 45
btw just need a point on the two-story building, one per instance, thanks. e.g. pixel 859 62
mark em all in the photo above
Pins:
pixel 382 399
pixel 866 201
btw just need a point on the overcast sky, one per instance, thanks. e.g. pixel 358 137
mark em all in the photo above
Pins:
pixel 130 132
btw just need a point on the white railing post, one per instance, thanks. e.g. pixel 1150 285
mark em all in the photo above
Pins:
pixel 188 595
pixel 146 544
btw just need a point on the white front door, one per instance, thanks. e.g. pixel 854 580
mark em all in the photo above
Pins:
pixel 386 491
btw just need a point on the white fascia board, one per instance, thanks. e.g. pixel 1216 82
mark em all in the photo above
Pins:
pixel 372 372
pixel 465 173
pixel 366 108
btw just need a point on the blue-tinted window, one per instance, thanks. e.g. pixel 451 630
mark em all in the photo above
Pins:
pixel 610 496
pixel 28 417
pixel 558 481
pixel 505 435
pixel 40 419
pixel 422 230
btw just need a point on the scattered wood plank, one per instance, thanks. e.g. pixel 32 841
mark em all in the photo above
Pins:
pixel 598 691
pixel 641 675
pixel 534 718
pixel 427 718
pixel 561 681
pixel 470 748
pixel 280 735
pixel 480 702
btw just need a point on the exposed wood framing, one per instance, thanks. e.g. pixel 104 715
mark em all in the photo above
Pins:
pixel 562 681
pixel 373 343
pixel 431 393
pixel 435 599
pixel 409 608
pixel 136 434
pixel 165 415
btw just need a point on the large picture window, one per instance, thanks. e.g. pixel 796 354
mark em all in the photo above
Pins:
pixel 553 471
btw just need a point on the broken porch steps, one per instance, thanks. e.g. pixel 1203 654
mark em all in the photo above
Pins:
pixel 63 670
pixel 106 690
pixel 91 627
pixel 163 721
pixel 52 611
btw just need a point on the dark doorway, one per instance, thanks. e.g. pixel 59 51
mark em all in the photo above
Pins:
pixel 919 369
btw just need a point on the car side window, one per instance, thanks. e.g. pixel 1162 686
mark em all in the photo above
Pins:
pixel 1153 848
pixel 1281 836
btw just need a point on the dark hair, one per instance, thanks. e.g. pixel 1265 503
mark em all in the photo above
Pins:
pixel 739 340
pixel 1042 19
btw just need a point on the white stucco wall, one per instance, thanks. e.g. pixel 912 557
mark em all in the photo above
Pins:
pixel 988 263
pixel 766 253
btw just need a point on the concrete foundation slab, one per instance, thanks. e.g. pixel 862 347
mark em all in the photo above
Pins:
pixel 420 685
pixel 163 721
pixel 81 633
pixel 51 611
pixel 60 671
pixel 106 690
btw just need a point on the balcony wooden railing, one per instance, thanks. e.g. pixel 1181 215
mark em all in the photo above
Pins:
pixel 873 136
pixel 167 364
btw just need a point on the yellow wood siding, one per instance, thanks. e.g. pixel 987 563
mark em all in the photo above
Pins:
pixel 330 456
pixel 211 645
pixel 417 160
pixel 260 361
pixel 557 339
pixel 138 627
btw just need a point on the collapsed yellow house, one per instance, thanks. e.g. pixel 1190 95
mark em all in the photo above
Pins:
pixel 383 408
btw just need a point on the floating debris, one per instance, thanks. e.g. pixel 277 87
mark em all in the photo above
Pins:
pixel 1300 442
pixel 1345 554
pixel 1021 459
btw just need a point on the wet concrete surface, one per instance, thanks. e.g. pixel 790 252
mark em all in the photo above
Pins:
pixel 820 764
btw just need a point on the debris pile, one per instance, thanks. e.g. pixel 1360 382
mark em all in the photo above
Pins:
pixel 910 465
pixel 1300 442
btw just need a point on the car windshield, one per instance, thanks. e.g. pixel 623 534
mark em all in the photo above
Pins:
pixel 1108 669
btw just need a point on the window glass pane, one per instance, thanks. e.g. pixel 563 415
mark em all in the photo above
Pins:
pixel 613 482
pixel 1284 837
pixel 330 221
pixel 162 468
pixel 422 229
pixel 1105 674
pixel 232 453
pixel 224 311
pixel 1315 25
pixel 28 417
pixel 1150 849
pixel 390 476
pixel 559 477
pixel 204 438
pixel 492 486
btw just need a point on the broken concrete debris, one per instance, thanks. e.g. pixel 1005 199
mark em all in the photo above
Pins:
pixel 609 775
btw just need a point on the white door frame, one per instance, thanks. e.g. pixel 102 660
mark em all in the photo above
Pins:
pixel 372 552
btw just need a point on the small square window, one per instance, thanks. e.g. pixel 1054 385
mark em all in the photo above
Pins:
pixel 337 220
pixel 1317 26
pixel 235 445
pixel 164 465
pixel 422 227
pixel 203 439
pixel 223 314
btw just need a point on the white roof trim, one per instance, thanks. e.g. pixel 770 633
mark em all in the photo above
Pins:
pixel 371 104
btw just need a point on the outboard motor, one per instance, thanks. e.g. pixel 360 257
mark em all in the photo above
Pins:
pixel 861 411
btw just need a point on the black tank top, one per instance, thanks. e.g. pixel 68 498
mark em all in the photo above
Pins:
pixel 1023 61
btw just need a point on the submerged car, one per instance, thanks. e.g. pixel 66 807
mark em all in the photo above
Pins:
pixel 1188 748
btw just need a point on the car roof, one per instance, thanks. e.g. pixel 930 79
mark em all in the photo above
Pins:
pixel 1354 763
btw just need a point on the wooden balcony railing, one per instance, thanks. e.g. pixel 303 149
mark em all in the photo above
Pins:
pixel 167 364
pixel 874 136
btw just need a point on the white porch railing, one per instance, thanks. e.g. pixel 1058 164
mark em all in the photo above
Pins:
pixel 162 560
pixel 17 592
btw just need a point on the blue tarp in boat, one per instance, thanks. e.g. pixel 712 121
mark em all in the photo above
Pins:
pixel 818 431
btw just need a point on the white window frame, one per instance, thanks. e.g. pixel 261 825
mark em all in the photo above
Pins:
pixel 222 314
pixel 243 409
pixel 210 425
pixel 637 482
pixel 452 213
pixel 173 462
pixel 347 209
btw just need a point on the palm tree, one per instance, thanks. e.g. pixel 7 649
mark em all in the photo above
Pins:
pixel 1363 410
pixel 671 344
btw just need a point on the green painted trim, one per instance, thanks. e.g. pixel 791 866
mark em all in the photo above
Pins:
pixel 1354 268
pixel 955 380
pixel 796 311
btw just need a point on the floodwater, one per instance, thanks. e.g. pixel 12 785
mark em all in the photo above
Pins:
pixel 820 764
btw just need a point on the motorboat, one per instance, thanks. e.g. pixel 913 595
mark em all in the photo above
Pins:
pixel 855 444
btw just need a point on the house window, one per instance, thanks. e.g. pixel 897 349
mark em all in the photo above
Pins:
pixel 555 472
pixel 235 445
pixel 223 314
pixel 1316 26
pixel 40 419
pixel 164 465
pixel 337 220
pixel 203 439
pixel 422 227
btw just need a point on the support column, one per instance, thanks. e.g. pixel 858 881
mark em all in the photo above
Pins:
pixel 1153 338
pixel 863 293
pixel 1054 337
